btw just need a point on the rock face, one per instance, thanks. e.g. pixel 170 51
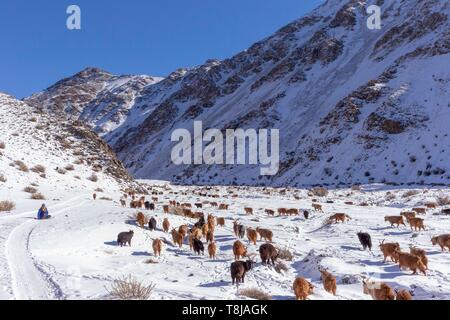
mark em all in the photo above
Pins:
pixel 349 101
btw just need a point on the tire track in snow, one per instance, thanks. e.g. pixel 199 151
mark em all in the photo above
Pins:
pixel 29 282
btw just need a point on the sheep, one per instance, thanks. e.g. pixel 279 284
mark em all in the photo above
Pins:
pixel 152 224
pixel 421 254
pixel 157 247
pixel 329 282
pixel 212 250
pixel 390 250
pixel 420 210
pixel 140 219
pixel 199 205
pixel 270 212
pixel 177 238
pixel 166 225
pixel 239 269
pixel 282 212
pixel 409 261
pixel 365 240
pixel 317 207
pixel 252 236
pixel 398 220
pixel 248 211
pixel 442 240
pixel 265 234
pixel 302 288
pixel 416 224
pixel 378 290
pixel 239 250
pixel 342 217
pixel 403 295
pixel 124 238
pixel 268 253
pixel 198 247
pixel 293 212
pixel 220 222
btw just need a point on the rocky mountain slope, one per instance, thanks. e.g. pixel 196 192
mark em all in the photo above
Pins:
pixel 353 105
pixel 51 156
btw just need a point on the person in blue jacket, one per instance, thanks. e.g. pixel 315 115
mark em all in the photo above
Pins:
pixel 43 212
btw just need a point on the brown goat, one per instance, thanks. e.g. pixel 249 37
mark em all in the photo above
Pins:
pixel 389 251
pixel 252 236
pixel 205 230
pixel 212 250
pixel 166 209
pixel 442 240
pixel 183 230
pixel 140 219
pixel 420 210
pixel 302 288
pixel 270 212
pixel 248 211
pixel 265 234
pixel 166 225
pixel 431 205
pixel 421 254
pixel 282 211
pixel 210 236
pixel 329 282
pixel 317 207
pixel 223 207
pixel 409 261
pixel 239 250
pixel 408 214
pixel 220 222
pixel 157 247
pixel 416 224
pixel 293 212
pixel 177 238
pixel 403 295
pixel 339 217
pixel 378 291
pixel 398 220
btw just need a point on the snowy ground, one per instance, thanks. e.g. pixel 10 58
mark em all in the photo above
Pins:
pixel 75 256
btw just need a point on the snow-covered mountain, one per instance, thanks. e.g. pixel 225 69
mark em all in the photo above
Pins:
pixel 353 105
pixel 53 156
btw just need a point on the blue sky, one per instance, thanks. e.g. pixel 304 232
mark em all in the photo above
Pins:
pixel 152 37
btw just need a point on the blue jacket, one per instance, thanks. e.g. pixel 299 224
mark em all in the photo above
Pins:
pixel 42 215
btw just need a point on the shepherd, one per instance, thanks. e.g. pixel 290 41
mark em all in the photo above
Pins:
pixel 43 213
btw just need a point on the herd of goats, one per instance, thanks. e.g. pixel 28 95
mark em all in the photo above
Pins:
pixel 204 228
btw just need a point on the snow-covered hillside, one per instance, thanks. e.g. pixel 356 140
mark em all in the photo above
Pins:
pixel 353 105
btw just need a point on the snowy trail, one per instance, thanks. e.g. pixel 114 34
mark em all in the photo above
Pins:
pixel 28 280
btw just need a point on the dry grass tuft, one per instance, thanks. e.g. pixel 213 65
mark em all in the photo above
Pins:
pixel 7 206
pixel 285 254
pixel 443 200
pixel 254 293
pixel 70 167
pixel 280 267
pixel 37 196
pixel 21 166
pixel 38 169
pixel 93 178
pixel 319 192
pixel 410 193
pixel 128 288
pixel 30 190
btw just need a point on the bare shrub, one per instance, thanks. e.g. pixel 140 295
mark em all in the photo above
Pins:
pixel 98 190
pixel 319 192
pixel 79 161
pixel 151 261
pixel 43 175
pixel 15 134
pixel 2 178
pixel 106 199
pixel 390 196
pixel 93 178
pixel 30 190
pixel 280 267
pixel 443 200
pixel 33 119
pixel 21 166
pixel 2 145
pixel 285 254
pixel 70 167
pixel 38 169
pixel 254 293
pixel 7 206
pixel 410 193
pixel 37 196
pixel 61 171
pixel 128 288
pixel 77 177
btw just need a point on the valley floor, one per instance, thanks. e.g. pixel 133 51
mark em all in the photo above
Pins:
pixel 75 256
